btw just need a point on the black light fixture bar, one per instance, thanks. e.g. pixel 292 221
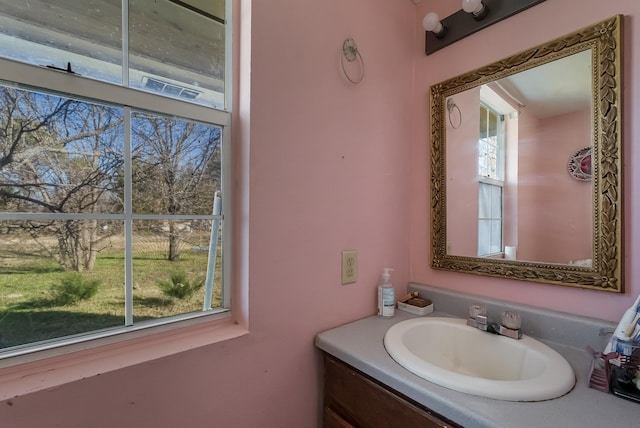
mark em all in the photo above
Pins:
pixel 462 24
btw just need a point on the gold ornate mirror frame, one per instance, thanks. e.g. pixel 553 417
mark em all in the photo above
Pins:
pixel 606 273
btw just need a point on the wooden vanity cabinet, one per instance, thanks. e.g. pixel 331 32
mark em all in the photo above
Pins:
pixel 355 400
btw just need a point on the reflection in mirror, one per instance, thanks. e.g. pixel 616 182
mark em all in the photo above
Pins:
pixel 526 167
pixel 507 166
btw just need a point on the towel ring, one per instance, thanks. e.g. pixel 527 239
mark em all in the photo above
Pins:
pixel 350 52
pixel 450 106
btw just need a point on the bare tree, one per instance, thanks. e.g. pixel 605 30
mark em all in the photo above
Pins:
pixel 176 167
pixel 59 155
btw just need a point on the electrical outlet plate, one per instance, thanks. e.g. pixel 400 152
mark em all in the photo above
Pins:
pixel 349 266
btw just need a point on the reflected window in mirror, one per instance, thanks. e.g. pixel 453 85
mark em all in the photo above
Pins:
pixel 491 150
pixel 489 219
pixel 491 144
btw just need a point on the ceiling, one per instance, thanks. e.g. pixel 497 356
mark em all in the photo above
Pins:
pixel 558 87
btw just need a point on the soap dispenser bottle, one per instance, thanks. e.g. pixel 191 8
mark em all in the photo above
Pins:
pixel 386 295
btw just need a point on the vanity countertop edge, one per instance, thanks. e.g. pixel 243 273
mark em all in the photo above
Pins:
pixel 360 344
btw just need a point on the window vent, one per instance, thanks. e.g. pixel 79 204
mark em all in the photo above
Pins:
pixel 171 89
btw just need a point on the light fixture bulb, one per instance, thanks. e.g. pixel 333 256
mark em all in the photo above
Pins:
pixel 472 6
pixel 476 8
pixel 431 22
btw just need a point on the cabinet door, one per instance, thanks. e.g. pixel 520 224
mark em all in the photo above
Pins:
pixel 366 403
pixel 334 420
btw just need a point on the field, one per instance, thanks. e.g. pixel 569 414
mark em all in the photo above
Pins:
pixel 30 310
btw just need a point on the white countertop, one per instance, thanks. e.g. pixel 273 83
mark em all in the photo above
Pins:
pixel 360 344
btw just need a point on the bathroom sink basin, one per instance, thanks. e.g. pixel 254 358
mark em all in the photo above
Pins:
pixel 449 353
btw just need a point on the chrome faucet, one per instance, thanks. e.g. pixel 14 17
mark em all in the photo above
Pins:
pixel 509 327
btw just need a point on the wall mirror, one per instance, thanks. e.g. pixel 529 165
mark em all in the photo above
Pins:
pixel 526 164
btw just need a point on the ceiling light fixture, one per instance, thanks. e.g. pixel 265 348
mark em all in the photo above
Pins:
pixel 476 8
pixel 431 22
pixel 474 16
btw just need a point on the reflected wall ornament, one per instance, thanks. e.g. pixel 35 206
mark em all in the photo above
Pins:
pixel 604 39
pixel 580 164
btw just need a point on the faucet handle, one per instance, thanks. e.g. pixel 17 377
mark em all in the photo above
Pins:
pixel 511 319
pixel 477 309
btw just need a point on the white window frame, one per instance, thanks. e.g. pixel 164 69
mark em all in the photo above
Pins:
pixel 500 145
pixel 498 181
pixel 65 360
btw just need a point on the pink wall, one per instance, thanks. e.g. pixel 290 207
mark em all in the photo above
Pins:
pixel 530 178
pixel 555 209
pixel 506 38
pixel 462 175
pixel 328 166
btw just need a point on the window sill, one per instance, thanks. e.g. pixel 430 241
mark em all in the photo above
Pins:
pixel 34 372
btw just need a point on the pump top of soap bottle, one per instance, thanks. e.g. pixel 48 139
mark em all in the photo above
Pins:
pixel 386 276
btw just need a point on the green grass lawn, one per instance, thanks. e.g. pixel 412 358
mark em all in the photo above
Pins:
pixel 29 311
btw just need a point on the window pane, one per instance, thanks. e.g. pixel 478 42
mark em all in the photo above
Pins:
pixel 484 237
pixel 59 278
pixel 493 124
pixel 488 157
pixel 496 201
pixel 496 236
pixel 489 219
pixel 58 155
pixel 178 50
pixel 484 201
pixel 176 165
pixel 489 150
pixel 170 260
pixel 483 122
pixel 483 170
pixel 87 34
